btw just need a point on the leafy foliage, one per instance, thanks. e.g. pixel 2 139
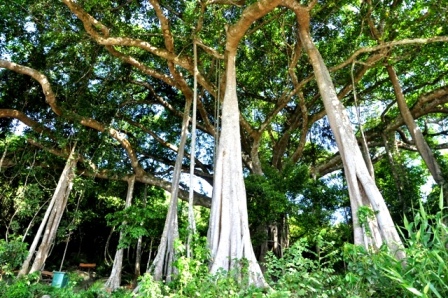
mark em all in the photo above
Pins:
pixel 12 255
pixel 280 109
pixel 304 272
pixel 138 220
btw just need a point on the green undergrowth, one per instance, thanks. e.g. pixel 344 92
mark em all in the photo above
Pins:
pixel 309 268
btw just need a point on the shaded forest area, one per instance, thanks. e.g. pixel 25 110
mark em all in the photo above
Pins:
pixel 224 148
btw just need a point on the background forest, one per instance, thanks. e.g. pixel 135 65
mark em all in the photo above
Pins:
pixel 224 148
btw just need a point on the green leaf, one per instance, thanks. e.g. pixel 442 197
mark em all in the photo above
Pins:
pixel 422 211
pixel 426 289
pixel 434 290
pixel 414 291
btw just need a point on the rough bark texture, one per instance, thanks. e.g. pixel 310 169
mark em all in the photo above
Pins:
pixel 114 280
pixel 360 183
pixel 51 219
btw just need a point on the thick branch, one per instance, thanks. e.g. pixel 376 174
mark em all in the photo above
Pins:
pixel 255 11
pixel 36 126
pixel 50 96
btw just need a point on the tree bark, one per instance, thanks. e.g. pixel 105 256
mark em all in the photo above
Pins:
pixel 397 170
pixel 31 223
pixel 163 262
pixel 51 219
pixel 60 194
pixel 422 146
pixel 138 251
pixel 228 234
pixel 114 280
pixel 191 219
pixel 360 183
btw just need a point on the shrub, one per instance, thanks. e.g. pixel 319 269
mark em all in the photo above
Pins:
pixel 295 275
pixel 364 276
pixel 12 255
pixel 150 288
pixel 424 272
pixel 23 287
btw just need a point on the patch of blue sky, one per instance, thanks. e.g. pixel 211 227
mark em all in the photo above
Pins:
pixel 4 53
pixel 30 26
pixel 199 185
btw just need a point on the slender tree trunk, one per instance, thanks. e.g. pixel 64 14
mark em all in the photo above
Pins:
pixel 56 206
pixel 149 254
pixel 114 280
pixel 138 257
pixel 8 225
pixel 163 262
pixel 30 224
pixel 107 257
pixel 262 249
pixel 417 136
pixel 53 223
pixel 396 167
pixel 191 219
pixel 360 183
pixel 138 252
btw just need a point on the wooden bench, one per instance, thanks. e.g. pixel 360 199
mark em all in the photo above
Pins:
pixel 87 266
pixel 46 276
pixel 46 273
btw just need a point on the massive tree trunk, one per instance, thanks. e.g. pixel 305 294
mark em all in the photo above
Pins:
pixel 163 262
pixel 362 187
pixel 228 235
pixel 114 280
pixel 417 135
pixel 51 219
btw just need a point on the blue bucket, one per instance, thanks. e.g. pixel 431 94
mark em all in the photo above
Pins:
pixel 60 279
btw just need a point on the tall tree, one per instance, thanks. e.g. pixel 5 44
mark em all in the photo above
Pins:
pixel 362 188
pixel 122 74
pixel 228 235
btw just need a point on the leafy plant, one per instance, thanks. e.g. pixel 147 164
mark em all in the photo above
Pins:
pixel 423 273
pixel 12 254
pixel 425 270
pixel 304 272
pixel 150 288
pixel 23 287
pixel 365 213
pixel 364 277
pixel 133 222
